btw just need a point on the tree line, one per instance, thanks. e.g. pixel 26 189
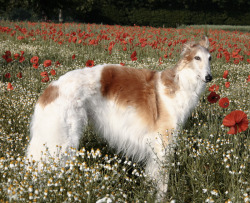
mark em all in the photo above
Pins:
pixel 167 13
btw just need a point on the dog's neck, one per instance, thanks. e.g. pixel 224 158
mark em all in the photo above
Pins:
pixel 183 88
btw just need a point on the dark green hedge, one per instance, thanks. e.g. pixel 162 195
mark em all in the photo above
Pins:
pixel 142 16
pixel 167 18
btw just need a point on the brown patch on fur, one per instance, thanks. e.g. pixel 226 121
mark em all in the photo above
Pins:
pixel 189 56
pixel 168 78
pixel 164 125
pixel 49 95
pixel 132 87
pixel 190 49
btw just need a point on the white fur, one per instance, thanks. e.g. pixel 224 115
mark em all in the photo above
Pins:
pixel 62 122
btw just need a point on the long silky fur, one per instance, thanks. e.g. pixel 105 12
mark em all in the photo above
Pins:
pixel 137 111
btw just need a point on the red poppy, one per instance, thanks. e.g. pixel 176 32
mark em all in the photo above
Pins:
pixel 110 48
pixel 9 86
pixel 248 79
pixel 22 53
pixel 224 102
pixel 7 75
pixel 13 33
pixel 236 61
pixel 16 56
pixel 74 39
pixel 19 75
pixel 248 60
pixel 20 37
pixel 225 74
pixel 219 55
pixel 47 63
pixel 7 56
pixel 8 53
pixel 213 88
pixel 133 56
pixel 74 57
pixel 227 57
pixel 57 64
pixel 34 59
pixel 160 61
pixel 134 59
pixel 21 59
pixel 9 60
pixel 123 64
pixel 35 65
pixel 90 63
pixel 237 122
pixel 44 74
pixel 45 79
pixel 52 72
pixel 236 52
pixel 227 84
pixel 213 97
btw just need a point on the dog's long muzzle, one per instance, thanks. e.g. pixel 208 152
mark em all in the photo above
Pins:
pixel 208 78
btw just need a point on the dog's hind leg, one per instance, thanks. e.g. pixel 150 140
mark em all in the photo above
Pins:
pixel 55 130
pixel 76 121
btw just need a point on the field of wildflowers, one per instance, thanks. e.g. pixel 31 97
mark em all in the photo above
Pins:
pixel 211 160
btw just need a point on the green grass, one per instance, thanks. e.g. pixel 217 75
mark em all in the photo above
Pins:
pixel 236 28
pixel 208 165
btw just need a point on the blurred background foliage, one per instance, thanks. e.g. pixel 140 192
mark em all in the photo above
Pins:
pixel 155 13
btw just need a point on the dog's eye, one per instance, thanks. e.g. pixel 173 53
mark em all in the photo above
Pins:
pixel 197 58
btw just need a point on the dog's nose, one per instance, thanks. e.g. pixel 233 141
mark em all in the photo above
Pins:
pixel 208 78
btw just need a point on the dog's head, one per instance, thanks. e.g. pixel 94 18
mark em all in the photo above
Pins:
pixel 196 58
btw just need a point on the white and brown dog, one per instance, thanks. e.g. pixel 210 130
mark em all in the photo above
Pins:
pixel 136 110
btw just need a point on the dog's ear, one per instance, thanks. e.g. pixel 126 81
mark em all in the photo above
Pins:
pixel 204 42
pixel 187 47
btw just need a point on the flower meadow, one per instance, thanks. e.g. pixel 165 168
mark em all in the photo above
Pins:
pixel 211 159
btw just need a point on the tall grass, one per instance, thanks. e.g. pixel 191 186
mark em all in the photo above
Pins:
pixel 208 164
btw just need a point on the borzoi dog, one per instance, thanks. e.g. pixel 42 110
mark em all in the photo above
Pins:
pixel 137 111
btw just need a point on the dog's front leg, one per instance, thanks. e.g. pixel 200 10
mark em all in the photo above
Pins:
pixel 158 167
